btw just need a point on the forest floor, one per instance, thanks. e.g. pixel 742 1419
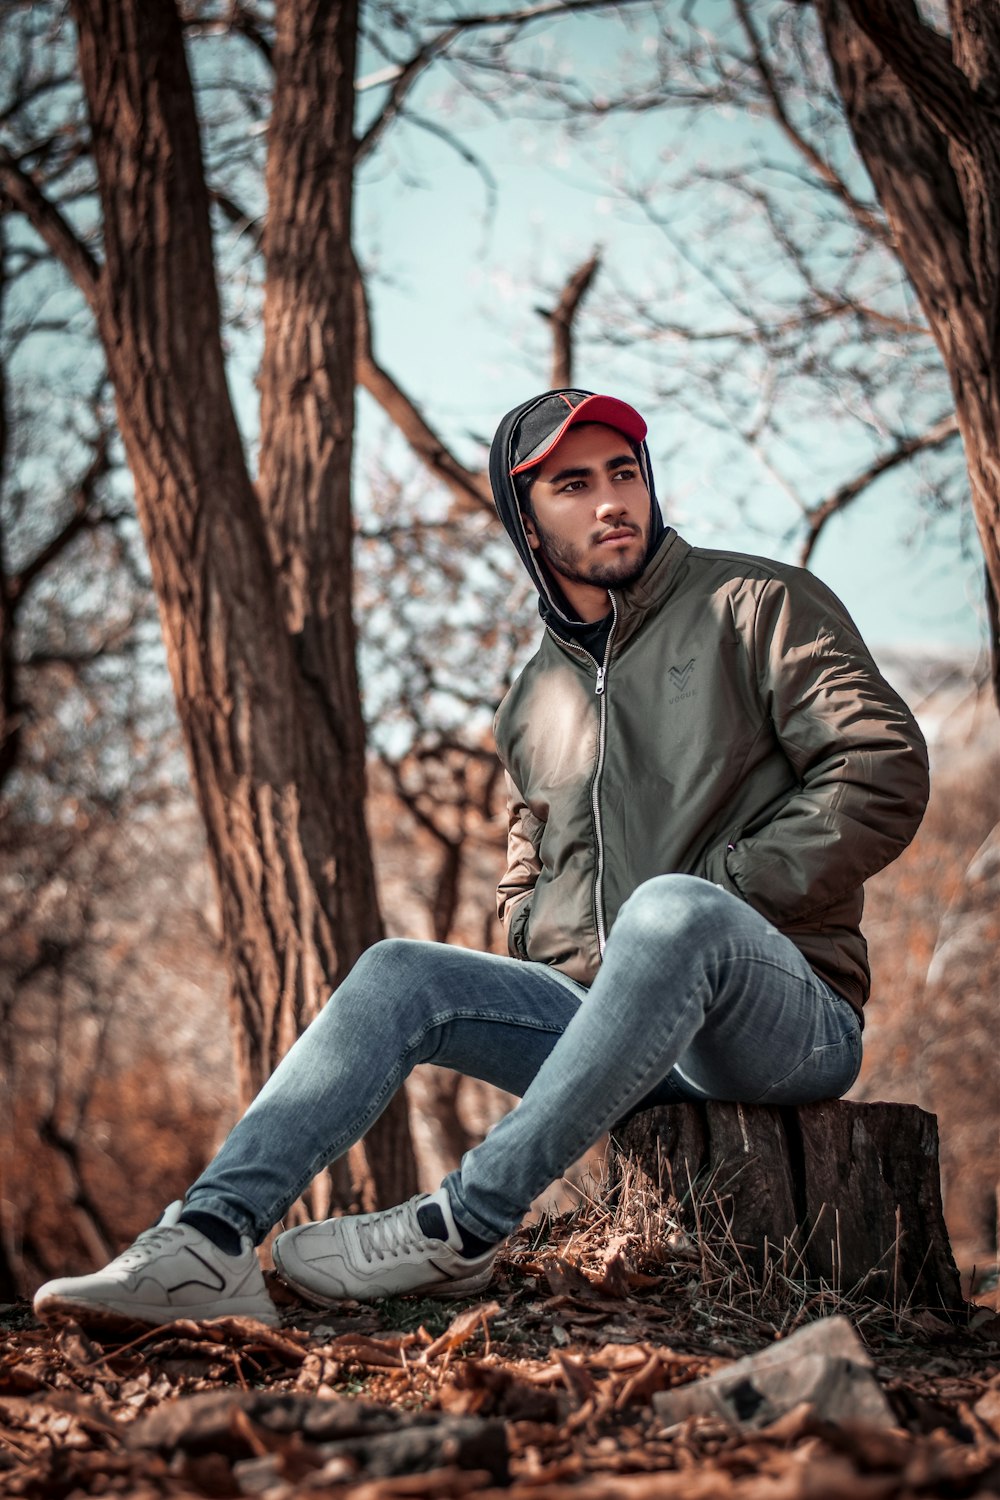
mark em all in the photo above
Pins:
pixel 548 1390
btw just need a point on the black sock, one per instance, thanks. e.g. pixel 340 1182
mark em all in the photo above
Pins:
pixel 223 1236
pixel 431 1220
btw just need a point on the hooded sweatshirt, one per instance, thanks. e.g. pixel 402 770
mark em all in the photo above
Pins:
pixel 731 725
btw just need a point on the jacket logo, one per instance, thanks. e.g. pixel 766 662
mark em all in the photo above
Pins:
pixel 679 675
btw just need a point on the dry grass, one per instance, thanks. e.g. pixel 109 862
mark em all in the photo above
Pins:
pixel 679 1247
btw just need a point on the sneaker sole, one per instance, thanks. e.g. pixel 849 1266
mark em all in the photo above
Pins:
pixel 99 1315
pixel 444 1290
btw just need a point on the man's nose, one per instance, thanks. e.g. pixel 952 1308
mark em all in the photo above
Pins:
pixel 611 502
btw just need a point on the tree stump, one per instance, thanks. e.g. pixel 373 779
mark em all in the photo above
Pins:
pixel 846 1194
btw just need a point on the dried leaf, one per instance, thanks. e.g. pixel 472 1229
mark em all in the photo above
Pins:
pixel 655 1375
pixel 987 1409
pixel 620 1356
pixel 461 1329
pixel 475 1387
pixel 351 1348
pixel 577 1378
pixel 565 1280
pixel 440 1483
pixel 76 1348
pixel 26 1375
pixel 615 1277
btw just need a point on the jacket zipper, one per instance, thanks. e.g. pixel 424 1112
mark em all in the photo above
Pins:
pixel 602 673
pixel 601 669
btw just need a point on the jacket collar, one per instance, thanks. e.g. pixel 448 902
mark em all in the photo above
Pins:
pixel 653 587
pixel 646 595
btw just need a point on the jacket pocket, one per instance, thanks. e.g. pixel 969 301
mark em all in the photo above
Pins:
pixel 517 933
pixel 716 868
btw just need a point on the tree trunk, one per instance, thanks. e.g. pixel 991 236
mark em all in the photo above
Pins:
pixel 844 1193
pixel 447 885
pixel 307 430
pixel 264 679
pixel 930 138
pixel 993 633
pixel 9 716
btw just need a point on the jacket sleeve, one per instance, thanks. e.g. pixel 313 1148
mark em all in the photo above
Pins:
pixel 523 866
pixel 853 745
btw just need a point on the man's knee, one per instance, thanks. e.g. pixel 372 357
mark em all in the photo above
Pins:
pixel 666 906
pixel 385 977
pixel 387 958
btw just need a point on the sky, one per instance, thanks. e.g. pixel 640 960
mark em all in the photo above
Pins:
pixel 457 270
pixel 457 279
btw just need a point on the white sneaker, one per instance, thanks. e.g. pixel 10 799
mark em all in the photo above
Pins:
pixel 380 1255
pixel 172 1271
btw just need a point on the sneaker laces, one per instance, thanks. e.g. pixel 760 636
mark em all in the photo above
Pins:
pixel 157 1237
pixel 390 1232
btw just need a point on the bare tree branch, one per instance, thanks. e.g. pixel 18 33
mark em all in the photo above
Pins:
pixel 239 218
pixel 451 29
pixel 471 490
pixel 411 800
pixel 239 22
pixel 82 519
pixel 430 448
pixel 531 13
pixel 827 310
pixel 244 24
pixel 562 316
pixel 817 516
pixel 407 76
pixel 872 223
pixel 113 644
pixel 29 93
pixel 471 159
pixel 23 194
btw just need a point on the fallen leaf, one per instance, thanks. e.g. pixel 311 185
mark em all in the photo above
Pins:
pixel 565 1279
pixel 461 1329
pixel 356 1349
pixel 654 1375
pixel 578 1379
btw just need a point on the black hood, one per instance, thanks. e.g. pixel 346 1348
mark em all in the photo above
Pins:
pixel 552 605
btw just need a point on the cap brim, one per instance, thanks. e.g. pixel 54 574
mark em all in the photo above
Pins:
pixel 605 409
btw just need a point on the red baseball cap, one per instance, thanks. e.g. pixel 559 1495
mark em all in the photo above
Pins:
pixel 546 423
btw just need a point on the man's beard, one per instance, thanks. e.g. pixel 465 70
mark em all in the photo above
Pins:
pixel 566 560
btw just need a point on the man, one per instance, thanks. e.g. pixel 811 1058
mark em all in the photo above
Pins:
pixel 703 766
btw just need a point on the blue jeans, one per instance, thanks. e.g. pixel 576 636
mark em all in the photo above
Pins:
pixel 698 996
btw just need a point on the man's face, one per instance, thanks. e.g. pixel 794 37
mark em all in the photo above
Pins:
pixel 591 515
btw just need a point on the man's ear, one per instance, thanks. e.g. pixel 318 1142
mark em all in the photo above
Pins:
pixel 534 541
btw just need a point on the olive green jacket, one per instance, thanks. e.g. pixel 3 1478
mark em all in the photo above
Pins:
pixel 737 730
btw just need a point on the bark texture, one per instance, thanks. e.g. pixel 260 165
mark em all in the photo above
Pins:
pixel 9 707
pixel 9 714
pixel 925 114
pixel 844 1193
pixel 307 427
pixel 261 657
